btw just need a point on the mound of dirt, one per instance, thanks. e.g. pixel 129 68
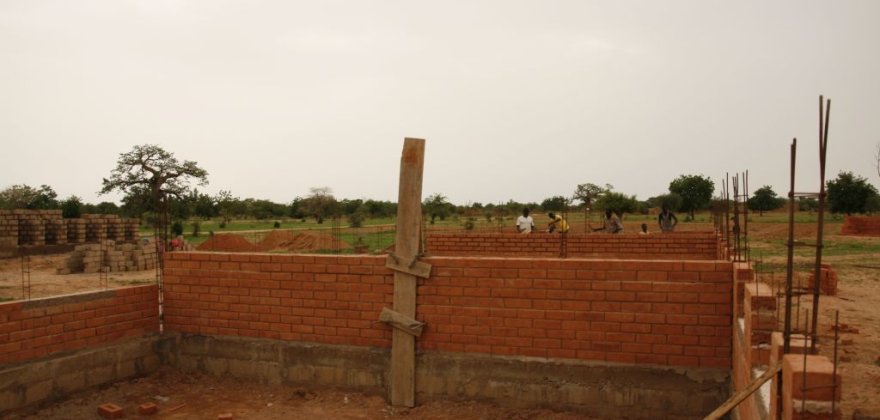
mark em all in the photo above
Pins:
pixel 274 241
pixel 299 242
pixel 227 243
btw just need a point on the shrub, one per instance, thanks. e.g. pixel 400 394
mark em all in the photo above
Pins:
pixel 197 227
pixel 177 228
pixel 276 225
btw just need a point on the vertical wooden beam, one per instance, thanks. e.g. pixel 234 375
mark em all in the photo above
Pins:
pixel 409 219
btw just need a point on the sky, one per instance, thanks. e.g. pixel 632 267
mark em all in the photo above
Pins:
pixel 517 100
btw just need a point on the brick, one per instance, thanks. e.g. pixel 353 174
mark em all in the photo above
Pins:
pixel 148 409
pixel 110 411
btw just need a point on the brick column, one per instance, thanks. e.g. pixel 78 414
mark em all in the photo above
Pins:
pixel 759 313
pixel 807 393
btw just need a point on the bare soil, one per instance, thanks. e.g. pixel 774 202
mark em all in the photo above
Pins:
pixel 195 396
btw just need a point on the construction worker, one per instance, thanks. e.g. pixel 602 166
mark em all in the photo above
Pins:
pixel 557 223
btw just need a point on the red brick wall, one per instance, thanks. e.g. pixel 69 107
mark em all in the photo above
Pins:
pixel 40 327
pixel 684 246
pixel 856 225
pixel 657 312
pixel 323 299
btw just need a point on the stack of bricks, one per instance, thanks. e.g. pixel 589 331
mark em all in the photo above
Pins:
pixel 131 228
pixel 8 228
pixel 861 225
pixel 47 227
pixel 56 232
pixel 827 280
pixel 109 256
pixel 759 314
pixel 76 231
pixel 96 227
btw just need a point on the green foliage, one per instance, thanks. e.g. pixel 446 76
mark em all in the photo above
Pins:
pixel 26 197
pixel 436 206
pixel 276 225
pixel 695 191
pixel 849 193
pixel 671 201
pixel 177 228
pixel 555 203
pixel 618 202
pixel 71 208
pixel 807 204
pixel 357 217
pixel 765 199
pixel 320 203
pixel 196 228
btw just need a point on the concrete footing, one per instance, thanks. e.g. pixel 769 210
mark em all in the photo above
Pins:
pixel 47 380
pixel 606 390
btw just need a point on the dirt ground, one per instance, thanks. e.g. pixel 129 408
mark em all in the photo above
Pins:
pixel 194 396
pixel 858 303
pixel 42 281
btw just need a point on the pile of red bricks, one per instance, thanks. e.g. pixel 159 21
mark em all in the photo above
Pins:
pixel 827 280
pixel 861 225
pixel 679 246
pixel 31 329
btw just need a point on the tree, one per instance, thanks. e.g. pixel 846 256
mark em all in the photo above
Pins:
pixel 204 206
pixel 765 199
pixel 849 193
pixel 436 206
pixel 555 203
pixel 617 202
pixel 589 192
pixel 671 201
pixel 695 191
pixel 71 208
pixel 225 203
pixel 320 203
pixel 150 168
pixel 26 197
pixel 807 204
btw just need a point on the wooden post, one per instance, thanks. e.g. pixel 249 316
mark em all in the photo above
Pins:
pixel 409 219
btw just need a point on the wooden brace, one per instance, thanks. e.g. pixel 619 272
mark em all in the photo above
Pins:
pixel 415 267
pixel 402 322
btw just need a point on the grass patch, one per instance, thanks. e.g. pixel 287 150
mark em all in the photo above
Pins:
pixel 6 298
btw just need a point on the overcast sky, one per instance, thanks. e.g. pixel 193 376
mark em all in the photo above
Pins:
pixel 517 100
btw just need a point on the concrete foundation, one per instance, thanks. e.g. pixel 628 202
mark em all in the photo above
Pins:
pixel 606 390
pixel 46 380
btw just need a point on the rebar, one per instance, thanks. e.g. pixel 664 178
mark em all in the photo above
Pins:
pixel 823 148
pixel 26 277
pixel 786 332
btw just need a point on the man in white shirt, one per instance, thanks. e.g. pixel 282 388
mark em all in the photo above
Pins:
pixel 524 223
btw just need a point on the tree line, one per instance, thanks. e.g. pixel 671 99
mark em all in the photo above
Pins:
pixel 153 180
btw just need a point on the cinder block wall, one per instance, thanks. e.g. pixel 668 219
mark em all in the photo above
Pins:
pixel 639 312
pixel 42 327
pixel 677 246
